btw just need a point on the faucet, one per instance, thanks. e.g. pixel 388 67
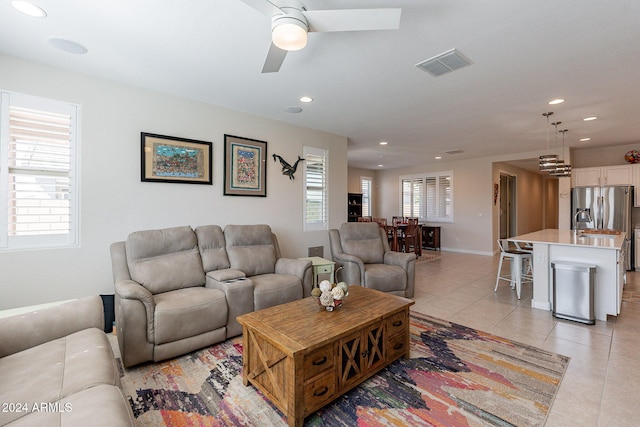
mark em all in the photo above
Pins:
pixel 581 213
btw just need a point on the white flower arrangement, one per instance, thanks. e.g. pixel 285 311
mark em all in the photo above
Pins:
pixel 330 295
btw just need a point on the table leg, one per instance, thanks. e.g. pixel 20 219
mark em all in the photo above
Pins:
pixel 315 276
pixel 395 239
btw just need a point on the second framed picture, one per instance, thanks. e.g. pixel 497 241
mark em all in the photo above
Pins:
pixel 245 167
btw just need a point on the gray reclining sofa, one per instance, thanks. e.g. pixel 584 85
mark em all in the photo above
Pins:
pixel 57 369
pixel 180 289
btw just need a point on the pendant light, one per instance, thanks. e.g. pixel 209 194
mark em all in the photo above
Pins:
pixel 559 166
pixel 548 161
pixel 565 169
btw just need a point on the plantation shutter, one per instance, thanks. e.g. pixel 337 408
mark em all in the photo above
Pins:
pixel 432 197
pixel 39 155
pixel 365 187
pixel 316 189
pixel 413 196
pixel 428 196
pixel 444 196
pixel 439 197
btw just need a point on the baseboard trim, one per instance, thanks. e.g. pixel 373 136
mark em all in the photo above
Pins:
pixel 466 251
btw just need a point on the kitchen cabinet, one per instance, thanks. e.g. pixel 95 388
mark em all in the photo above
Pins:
pixel 599 176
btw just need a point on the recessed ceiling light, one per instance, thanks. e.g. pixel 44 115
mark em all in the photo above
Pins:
pixel 556 101
pixel 383 142
pixel 437 157
pixel 306 99
pixel 380 166
pixel 585 139
pixel 29 9
pixel 293 109
pixel 68 46
pixel 588 119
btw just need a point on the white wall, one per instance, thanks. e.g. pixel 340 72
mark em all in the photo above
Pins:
pixel 476 220
pixel 114 202
pixel 472 202
pixel 585 156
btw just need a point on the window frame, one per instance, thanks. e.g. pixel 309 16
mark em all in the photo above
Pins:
pixel 44 240
pixel 323 224
pixel 421 180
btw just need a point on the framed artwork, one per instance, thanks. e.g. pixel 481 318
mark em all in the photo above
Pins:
pixel 245 167
pixel 171 159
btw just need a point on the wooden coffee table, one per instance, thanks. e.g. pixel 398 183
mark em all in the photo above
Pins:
pixel 302 357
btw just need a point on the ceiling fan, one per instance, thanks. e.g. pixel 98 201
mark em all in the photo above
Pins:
pixel 291 21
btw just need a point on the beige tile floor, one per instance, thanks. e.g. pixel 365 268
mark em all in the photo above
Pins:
pixel 602 384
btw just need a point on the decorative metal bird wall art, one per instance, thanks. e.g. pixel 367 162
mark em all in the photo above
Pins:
pixel 287 169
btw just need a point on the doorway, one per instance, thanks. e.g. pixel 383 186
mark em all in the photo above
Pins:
pixel 507 205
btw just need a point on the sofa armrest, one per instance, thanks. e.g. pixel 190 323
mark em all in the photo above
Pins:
pixel 226 274
pixel 292 266
pixel 131 290
pixel 239 295
pixel 352 268
pixel 24 331
pixel 400 259
pixel 303 268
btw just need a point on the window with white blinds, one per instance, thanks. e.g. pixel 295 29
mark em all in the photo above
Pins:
pixel 316 189
pixel 37 166
pixel 365 189
pixel 428 196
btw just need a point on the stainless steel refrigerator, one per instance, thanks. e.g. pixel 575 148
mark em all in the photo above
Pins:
pixel 606 208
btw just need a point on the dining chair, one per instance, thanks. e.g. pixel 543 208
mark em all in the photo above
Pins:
pixel 382 223
pixel 411 238
pixel 517 274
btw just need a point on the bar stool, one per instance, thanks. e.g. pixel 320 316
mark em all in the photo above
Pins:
pixel 528 248
pixel 518 274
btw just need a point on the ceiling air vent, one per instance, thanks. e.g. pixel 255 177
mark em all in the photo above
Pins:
pixel 454 152
pixel 444 63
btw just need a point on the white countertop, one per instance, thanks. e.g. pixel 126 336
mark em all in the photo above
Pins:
pixel 569 238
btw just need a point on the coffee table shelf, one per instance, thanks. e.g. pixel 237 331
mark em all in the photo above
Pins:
pixel 301 357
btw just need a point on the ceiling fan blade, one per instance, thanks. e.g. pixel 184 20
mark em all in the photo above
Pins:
pixel 274 60
pixel 353 19
pixel 264 6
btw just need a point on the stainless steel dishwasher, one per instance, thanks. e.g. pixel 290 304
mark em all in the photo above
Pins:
pixel 573 290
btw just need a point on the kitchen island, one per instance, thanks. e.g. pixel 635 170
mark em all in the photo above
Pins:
pixel 605 251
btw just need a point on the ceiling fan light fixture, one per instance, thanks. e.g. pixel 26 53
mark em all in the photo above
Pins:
pixel 289 32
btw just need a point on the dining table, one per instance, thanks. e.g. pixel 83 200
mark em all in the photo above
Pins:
pixel 398 230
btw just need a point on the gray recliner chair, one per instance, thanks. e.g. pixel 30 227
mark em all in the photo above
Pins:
pixel 362 250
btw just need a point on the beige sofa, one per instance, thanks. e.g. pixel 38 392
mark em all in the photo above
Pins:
pixel 362 250
pixel 57 368
pixel 179 289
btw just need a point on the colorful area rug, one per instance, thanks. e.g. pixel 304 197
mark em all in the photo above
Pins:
pixel 456 376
